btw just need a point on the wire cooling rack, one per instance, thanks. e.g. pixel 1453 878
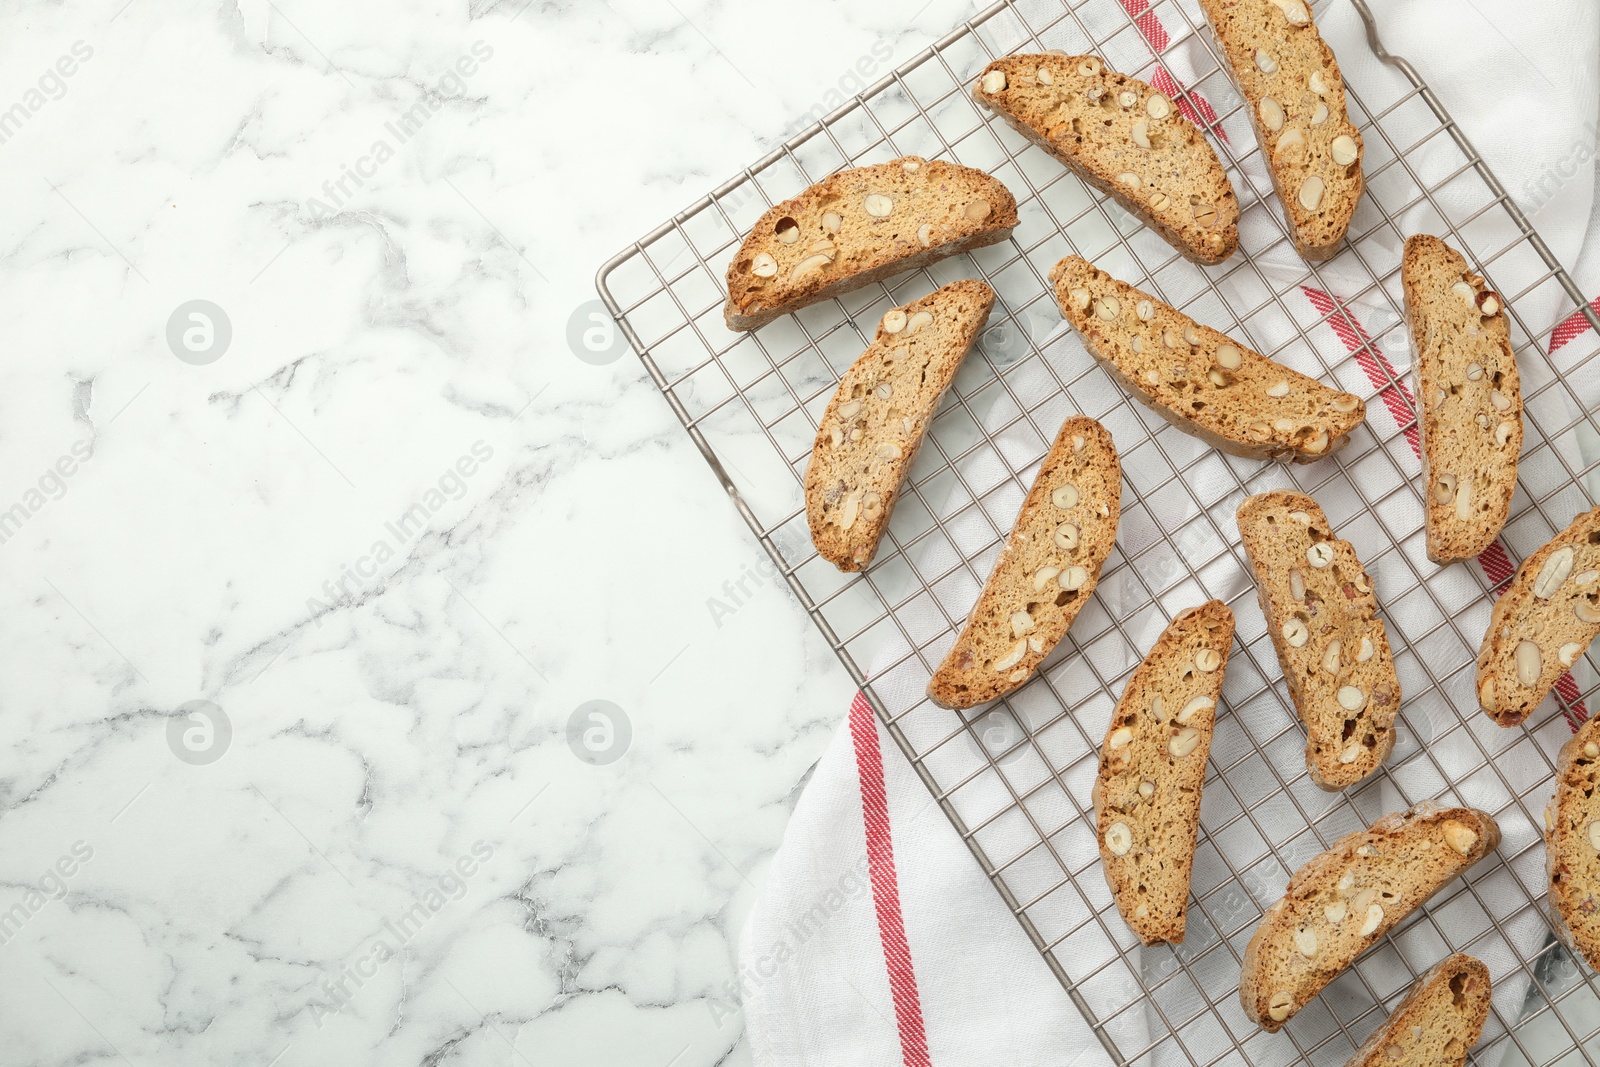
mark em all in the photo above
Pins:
pixel 1014 778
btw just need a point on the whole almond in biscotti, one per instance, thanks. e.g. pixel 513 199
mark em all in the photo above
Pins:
pixel 1295 96
pixel 861 226
pixel 1342 902
pixel 1323 618
pixel 1125 139
pixel 1543 622
pixel 1152 766
pixel 1572 844
pixel 875 423
pixel 1044 575
pixel 1437 1023
pixel 1202 381
pixel 1471 399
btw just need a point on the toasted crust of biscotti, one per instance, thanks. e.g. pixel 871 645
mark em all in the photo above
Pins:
pixel 1200 380
pixel 1542 623
pixel 1125 139
pixel 1437 1023
pixel 860 226
pixel 873 426
pixel 1277 55
pixel 1471 399
pixel 1044 575
pixel 1323 618
pixel 1572 844
pixel 1343 901
pixel 1152 767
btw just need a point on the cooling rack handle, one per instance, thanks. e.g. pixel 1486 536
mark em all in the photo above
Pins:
pixel 1376 40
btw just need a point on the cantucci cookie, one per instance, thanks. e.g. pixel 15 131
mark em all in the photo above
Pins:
pixel 1045 573
pixel 1572 843
pixel 1340 903
pixel 1323 618
pixel 1152 765
pixel 1542 623
pixel 1295 96
pixel 1125 139
pixel 1471 399
pixel 860 226
pixel 1198 379
pixel 1437 1023
pixel 872 428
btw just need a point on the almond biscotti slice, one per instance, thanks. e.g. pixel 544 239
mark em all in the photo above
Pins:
pixel 1572 843
pixel 1471 397
pixel 1202 381
pixel 873 426
pixel 1323 618
pixel 1152 765
pixel 1044 575
pixel 1543 622
pixel 1295 96
pixel 1125 139
pixel 860 226
pixel 1340 903
pixel 1437 1023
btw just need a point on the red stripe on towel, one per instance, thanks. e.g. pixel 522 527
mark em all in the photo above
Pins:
pixel 1570 327
pixel 885 885
pixel 1397 398
pixel 1380 372
pixel 1149 25
pixel 1196 108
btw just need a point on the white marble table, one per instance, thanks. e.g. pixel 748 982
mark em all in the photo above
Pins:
pixel 304 584
pixel 393 528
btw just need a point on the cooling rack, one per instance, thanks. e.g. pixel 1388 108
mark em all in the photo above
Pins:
pixel 1014 778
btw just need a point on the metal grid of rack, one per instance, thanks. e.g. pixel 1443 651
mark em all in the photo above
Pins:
pixel 1014 778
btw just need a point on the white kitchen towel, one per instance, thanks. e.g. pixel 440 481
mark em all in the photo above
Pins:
pixel 876 939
